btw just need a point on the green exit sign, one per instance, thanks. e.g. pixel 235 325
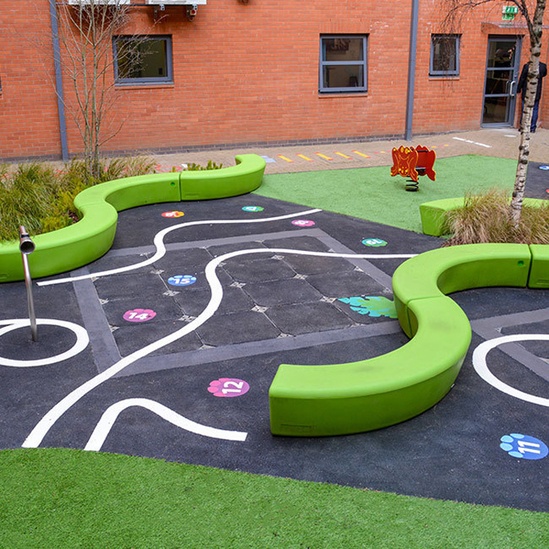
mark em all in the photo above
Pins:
pixel 509 12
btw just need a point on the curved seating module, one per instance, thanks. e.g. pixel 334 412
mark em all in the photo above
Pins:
pixel 361 396
pixel 342 399
pixel 456 268
pixel 242 178
pixel 92 236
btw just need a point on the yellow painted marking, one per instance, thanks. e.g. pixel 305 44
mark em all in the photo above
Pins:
pixel 361 154
pixel 285 158
pixel 305 157
pixel 324 156
pixel 344 155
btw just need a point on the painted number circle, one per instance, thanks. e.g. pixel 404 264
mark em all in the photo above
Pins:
pixel 253 208
pixel 173 213
pixel 374 242
pixel 228 387
pixel 182 280
pixel 303 223
pixel 523 446
pixel 139 315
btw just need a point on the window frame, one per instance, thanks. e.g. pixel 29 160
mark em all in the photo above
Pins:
pixel 148 80
pixel 360 62
pixel 457 44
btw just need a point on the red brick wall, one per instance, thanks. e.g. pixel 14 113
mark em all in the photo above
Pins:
pixel 249 73
pixel 28 105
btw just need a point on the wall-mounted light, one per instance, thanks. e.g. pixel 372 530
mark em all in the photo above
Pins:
pixel 243 1
pixel 191 10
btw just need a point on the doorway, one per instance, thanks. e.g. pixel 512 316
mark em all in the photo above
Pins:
pixel 500 84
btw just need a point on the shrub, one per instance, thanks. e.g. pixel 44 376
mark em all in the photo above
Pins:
pixel 41 198
pixel 487 218
pixel 25 199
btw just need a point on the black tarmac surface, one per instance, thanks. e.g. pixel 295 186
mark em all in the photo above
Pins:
pixel 276 308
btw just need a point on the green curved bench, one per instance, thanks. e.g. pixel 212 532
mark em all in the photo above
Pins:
pixel 92 236
pixel 456 268
pixel 360 396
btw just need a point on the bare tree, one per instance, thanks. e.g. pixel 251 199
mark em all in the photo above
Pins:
pixel 532 12
pixel 86 31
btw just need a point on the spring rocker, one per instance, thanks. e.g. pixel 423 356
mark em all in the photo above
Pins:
pixel 412 162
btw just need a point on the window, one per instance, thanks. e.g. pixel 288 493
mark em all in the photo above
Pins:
pixel 342 64
pixel 143 59
pixel 444 55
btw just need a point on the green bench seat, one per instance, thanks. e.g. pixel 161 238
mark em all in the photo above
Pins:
pixel 456 268
pixel 341 399
pixel 369 394
pixel 91 237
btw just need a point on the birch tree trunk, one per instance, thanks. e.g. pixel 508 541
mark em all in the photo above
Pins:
pixel 455 11
pixel 535 25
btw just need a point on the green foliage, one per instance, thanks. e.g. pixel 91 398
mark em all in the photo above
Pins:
pixel 41 197
pixel 487 217
pixel 193 167
pixel 24 199
pixel 4 170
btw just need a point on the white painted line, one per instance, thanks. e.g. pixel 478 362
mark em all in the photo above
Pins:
pixel 105 424
pixel 472 142
pixel 481 367
pixel 161 248
pixel 82 341
pixel 37 435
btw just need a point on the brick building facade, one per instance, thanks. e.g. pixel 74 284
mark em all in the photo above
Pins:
pixel 266 71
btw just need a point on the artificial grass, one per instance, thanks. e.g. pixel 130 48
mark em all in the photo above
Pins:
pixel 372 194
pixel 70 498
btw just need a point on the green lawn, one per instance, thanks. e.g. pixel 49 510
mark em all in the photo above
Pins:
pixel 74 499
pixel 372 194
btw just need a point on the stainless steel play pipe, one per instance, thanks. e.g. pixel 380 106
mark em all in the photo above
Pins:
pixel 26 245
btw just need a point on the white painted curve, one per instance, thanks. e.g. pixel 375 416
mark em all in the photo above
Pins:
pixel 82 340
pixel 481 367
pixel 109 417
pixel 161 248
pixel 37 435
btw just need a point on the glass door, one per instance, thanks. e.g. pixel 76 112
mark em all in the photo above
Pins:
pixel 500 85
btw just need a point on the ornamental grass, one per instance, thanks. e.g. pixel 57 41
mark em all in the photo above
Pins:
pixel 487 218
pixel 40 197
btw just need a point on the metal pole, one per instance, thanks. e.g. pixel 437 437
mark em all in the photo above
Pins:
pixel 59 81
pixel 26 245
pixel 411 70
